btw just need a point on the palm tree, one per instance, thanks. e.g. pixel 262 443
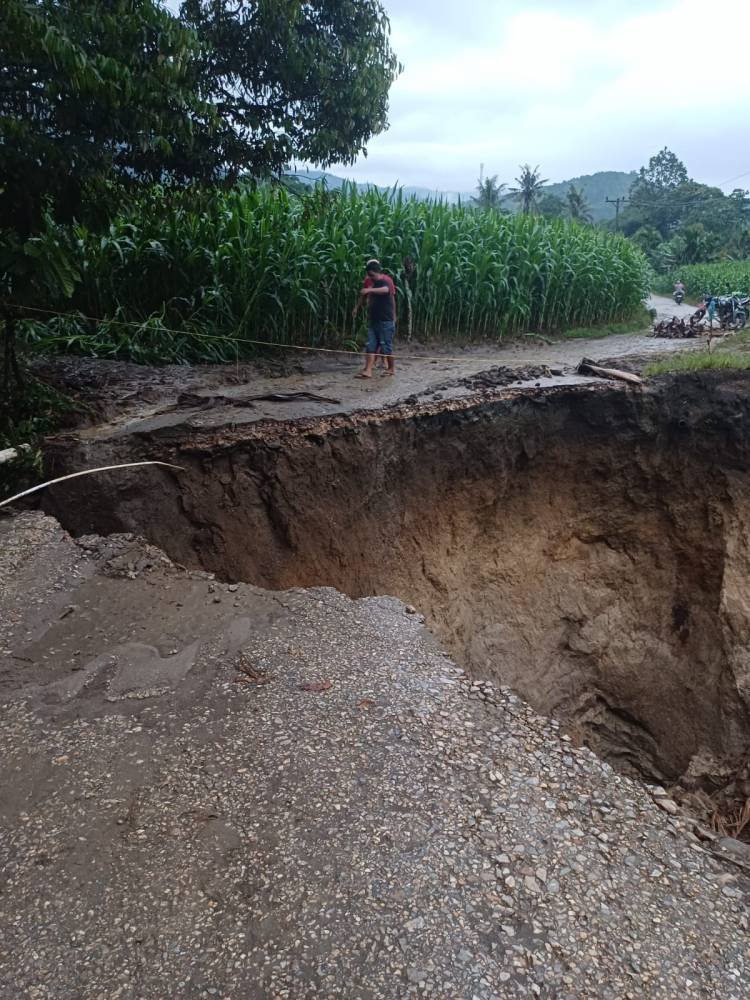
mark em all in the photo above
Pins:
pixel 529 188
pixel 489 193
pixel 578 208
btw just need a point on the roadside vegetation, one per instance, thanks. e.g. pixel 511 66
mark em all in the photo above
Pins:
pixel 198 276
pixel 678 221
pixel 731 351
pixel 699 361
pixel 640 321
pixel 723 278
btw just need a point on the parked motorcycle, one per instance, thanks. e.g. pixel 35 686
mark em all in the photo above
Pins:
pixel 744 308
pixel 732 311
pixel 700 313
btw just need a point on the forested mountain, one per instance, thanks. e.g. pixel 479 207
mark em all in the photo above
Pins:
pixel 596 188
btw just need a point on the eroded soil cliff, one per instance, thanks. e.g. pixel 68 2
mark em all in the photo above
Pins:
pixel 586 545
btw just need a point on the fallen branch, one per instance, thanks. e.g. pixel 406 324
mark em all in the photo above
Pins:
pixel 587 367
pixel 86 472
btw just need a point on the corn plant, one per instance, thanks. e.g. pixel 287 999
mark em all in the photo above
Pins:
pixel 723 278
pixel 265 264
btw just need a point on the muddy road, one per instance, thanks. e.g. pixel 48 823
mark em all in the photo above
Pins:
pixel 128 398
pixel 579 542
pixel 666 307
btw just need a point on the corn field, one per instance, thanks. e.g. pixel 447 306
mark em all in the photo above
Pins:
pixel 267 264
pixel 723 278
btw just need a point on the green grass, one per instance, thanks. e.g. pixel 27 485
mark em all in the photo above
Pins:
pixel 737 342
pixel 699 361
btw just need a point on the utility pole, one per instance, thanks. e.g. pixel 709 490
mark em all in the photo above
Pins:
pixel 481 174
pixel 617 202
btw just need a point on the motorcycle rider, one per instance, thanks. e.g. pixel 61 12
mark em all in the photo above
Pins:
pixel 679 291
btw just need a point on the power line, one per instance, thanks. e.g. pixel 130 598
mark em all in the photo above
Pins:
pixel 616 202
pixel 737 178
pixel 692 197
pixel 680 201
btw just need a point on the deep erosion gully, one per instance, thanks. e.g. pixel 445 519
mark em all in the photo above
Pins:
pixel 587 546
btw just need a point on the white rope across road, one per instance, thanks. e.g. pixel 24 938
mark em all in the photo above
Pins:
pixel 142 327
pixel 86 472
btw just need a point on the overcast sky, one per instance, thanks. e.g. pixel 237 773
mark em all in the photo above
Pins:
pixel 572 85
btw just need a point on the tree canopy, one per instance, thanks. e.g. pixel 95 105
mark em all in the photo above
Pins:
pixel 676 220
pixel 490 193
pixel 92 89
pixel 577 206
pixel 127 90
pixel 292 80
pixel 551 206
pixel 665 171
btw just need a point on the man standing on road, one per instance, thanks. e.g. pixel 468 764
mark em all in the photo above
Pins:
pixel 379 292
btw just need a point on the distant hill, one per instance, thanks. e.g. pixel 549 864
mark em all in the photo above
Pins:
pixel 596 188
pixel 313 176
pixel 333 183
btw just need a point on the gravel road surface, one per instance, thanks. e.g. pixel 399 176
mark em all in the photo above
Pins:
pixel 215 791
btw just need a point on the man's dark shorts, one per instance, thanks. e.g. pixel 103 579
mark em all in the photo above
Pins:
pixel 380 337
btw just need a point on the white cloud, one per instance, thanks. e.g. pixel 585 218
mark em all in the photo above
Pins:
pixel 575 86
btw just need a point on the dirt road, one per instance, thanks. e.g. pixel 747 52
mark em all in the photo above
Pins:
pixel 141 399
pixel 666 307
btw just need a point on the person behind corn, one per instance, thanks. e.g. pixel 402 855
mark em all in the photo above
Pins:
pixel 379 292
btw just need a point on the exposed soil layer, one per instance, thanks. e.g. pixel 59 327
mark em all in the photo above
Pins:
pixel 587 546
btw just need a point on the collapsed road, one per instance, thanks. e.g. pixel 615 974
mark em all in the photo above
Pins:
pixel 244 763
